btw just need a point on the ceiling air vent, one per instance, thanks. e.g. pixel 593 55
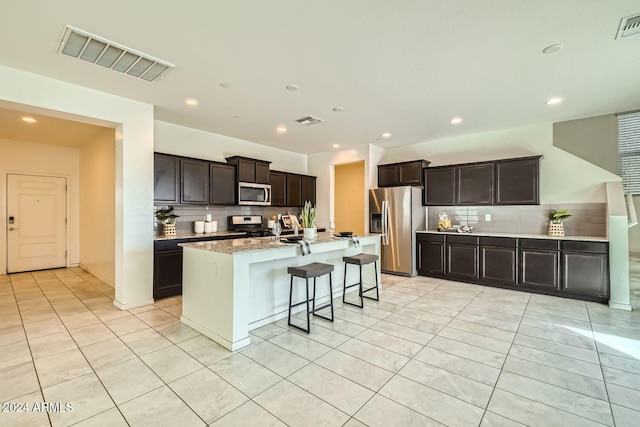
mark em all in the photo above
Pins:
pixel 629 26
pixel 309 120
pixel 82 45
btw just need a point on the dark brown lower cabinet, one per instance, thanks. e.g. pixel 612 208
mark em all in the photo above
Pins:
pixel 585 268
pixel 539 263
pixel 462 257
pixel 430 254
pixel 498 260
pixel 569 268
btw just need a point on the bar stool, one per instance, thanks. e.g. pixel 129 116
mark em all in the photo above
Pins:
pixel 360 260
pixel 315 270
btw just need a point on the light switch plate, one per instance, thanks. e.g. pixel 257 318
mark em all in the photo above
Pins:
pixel 487 217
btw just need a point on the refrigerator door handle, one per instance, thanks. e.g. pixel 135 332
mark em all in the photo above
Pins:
pixel 385 222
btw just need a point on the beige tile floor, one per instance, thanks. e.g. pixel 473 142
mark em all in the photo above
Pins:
pixel 430 353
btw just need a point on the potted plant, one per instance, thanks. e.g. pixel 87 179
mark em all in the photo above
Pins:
pixel 308 217
pixel 167 219
pixel 556 228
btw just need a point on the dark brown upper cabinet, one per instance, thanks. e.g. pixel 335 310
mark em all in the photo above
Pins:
pixel 517 181
pixel 250 170
pixel 474 184
pixel 194 182
pixel 404 173
pixel 222 184
pixel 500 182
pixel 439 186
pixel 309 189
pixel 278 181
pixel 166 179
pixel 291 189
pixel 294 190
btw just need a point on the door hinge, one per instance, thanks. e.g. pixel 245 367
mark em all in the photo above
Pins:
pixel 65 221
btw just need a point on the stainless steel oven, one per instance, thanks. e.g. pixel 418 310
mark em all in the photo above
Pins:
pixel 250 193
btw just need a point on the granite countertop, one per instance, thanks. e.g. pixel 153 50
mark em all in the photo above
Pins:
pixel 199 235
pixel 253 244
pixel 519 235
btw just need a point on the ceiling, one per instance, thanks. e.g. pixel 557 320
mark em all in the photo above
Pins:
pixel 403 67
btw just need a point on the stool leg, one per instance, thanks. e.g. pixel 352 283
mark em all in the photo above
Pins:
pixel 290 300
pixel 344 284
pixel 314 295
pixel 360 287
pixel 308 319
pixel 375 273
pixel 331 296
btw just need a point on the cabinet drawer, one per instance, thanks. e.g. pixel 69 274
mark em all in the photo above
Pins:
pixel 503 242
pixel 428 237
pixel 552 245
pixel 465 240
pixel 579 246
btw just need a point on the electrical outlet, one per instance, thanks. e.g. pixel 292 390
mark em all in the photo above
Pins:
pixel 487 217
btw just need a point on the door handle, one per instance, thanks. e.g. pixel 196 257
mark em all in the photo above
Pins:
pixel 12 228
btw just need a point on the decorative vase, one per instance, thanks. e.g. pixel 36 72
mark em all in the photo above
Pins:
pixel 310 233
pixel 556 229
pixel 168 229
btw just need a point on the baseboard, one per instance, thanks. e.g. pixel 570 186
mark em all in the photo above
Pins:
pixel 97 276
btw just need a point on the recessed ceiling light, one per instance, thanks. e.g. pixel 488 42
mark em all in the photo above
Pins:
pixel 554 100
pixel 292 87
pixel 191 101
pixel 338 109
pixel 224 85
pixel 28 119
pixel 386 135
pixel 335 146
pixel 281 129
pixel 552 48
pixel 456 120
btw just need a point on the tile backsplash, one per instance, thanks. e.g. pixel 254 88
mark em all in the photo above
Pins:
pixel 190 213
pixel 587 219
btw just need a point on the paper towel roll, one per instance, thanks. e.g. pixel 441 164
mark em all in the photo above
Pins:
pixel 198 226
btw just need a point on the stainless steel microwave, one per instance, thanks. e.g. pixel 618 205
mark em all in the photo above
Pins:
pixel 250 193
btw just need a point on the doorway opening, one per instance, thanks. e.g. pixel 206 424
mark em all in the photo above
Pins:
pixel 349 197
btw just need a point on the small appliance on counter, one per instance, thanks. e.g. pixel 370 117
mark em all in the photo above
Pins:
pixel 250 224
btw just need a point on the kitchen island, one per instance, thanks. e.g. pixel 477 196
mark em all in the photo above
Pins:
pixel 233 286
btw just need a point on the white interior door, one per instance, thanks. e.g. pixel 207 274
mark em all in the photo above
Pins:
pixel 36 222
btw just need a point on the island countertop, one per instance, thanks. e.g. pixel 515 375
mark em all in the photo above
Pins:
pixel 253 244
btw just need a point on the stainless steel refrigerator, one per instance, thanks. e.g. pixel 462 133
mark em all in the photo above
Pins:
pixel 397 213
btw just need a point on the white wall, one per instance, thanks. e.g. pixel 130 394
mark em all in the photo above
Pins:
pixel 564 178
pixel 48 160
pixel 134 167
pixel 97 206
pixel 184 141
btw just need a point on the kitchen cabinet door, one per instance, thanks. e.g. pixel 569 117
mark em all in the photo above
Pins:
pixel 439 186
pixel 278 181
pixel 585 268
pixel 167 273
pixel 308 184
pixel 474 184
pixel 410 173
pixel 387 175
pixel 222 185
pixel 540 264
pixel 517 182
pixel 430 256
pixel 462 257
pixel 261 172
pixel 498 260
pixel 166 179
pixel 194 182
pixel 246 170
pixel 294 190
